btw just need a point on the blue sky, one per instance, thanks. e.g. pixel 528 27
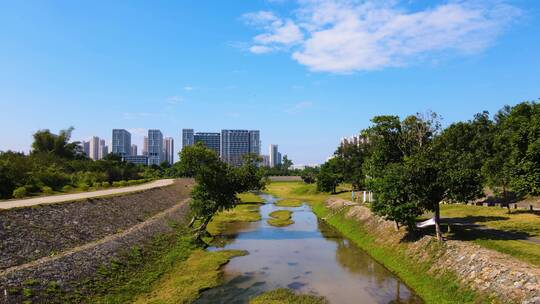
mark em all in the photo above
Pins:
pixel 304 72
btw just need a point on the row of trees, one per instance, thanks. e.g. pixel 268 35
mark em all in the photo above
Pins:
pixel 56 164
pixel 413 164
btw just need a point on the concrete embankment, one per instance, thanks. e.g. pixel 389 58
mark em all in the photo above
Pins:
pixel 68 242
pixel 487 272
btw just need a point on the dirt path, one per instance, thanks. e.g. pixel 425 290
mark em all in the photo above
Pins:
pixel 77 196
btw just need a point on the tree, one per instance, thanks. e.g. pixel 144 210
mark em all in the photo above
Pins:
pixel 329 176
pixel 351 159
pixel 309 175
pixel 519 130
pixel 217 184
pixel 59 145
pixel 286 163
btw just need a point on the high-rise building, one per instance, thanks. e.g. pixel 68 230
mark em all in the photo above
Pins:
pixel 279 158
pixel 237 143
pixel 133 150
pixel 188 138
pixel 145 146
pixel 168 149
pixel 94 148
pixel 265 160
pixel 155 147
pixel 254 142
pixel 273 153
pixel 210 140
pixel 103 149
pixel 86 148
pixel 121 142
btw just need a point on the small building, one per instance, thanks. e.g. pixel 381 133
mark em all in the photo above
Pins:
pixel 136 159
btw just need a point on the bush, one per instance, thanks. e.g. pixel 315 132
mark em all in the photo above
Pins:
pixel 46 190
pixel 67 188
pixel 105 185
pixel 84 187
pixel 20 192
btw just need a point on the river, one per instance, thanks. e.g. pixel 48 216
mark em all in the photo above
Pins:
pixel 308 256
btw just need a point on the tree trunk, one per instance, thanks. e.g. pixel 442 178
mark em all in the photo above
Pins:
pixel 505 198
pixel 438 223
pixel 192 222
pixel 396 225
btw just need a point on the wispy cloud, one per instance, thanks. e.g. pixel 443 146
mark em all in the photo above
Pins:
pixel 350 35
pixel 174 100
pixel 299 107
pixel 137 115
pixel 189 88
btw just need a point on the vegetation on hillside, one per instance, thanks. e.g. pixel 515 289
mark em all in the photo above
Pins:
pixel 413 164
pixel 57 165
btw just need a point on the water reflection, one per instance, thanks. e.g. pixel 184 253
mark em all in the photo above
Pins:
pixel 308 256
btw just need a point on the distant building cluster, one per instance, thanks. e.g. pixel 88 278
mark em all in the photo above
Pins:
pixel 229 145
pixel 156 149
pixel 355 140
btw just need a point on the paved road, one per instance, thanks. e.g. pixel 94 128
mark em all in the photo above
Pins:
pixel 77 196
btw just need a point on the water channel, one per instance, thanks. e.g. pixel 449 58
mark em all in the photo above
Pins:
pixel 308 256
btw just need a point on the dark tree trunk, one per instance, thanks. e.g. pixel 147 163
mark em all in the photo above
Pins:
pixel 438 223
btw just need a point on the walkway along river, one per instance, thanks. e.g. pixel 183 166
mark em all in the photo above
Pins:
pixel 308 256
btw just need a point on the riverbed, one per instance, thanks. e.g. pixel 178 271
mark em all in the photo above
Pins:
pixel 308 256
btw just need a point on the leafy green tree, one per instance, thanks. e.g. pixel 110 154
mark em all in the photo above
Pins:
pixel 217 184
pixel 309 175
pixel 329 176
pixel 286 163
pixel 519 129
pixel 393 200
pixel 59 145
pixel 351 159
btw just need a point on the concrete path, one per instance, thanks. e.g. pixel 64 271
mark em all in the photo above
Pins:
pixel 77 196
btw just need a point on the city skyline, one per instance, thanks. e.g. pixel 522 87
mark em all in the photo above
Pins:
pixel 266 77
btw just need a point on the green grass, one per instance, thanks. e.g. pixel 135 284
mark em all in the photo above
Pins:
pixel 184 282
pixel 240 213
pixel 250 198
pixel 289 202
pixel 443 289
pixel 283 295
pixel 495 217
pixel 280 218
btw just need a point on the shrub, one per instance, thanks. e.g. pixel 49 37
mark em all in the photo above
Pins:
pixel 105 185
pixel 83 186
pixel 116 184
pixel 20 192
pixel 67 188
pixel 47 190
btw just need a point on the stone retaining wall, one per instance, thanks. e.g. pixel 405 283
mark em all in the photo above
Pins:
pixel 30 233
pixel 483 270
pixel 83 262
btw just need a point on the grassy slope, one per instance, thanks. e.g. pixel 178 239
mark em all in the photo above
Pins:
pixel 280 218
pixel 433 290
pixel 172 269
pixel 184 282
pixel 283 295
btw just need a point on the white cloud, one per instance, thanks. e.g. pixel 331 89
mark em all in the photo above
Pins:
pixel 299 107
pixel 189 88
pixel 174 100
pixel 350 35
pixel 278 33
